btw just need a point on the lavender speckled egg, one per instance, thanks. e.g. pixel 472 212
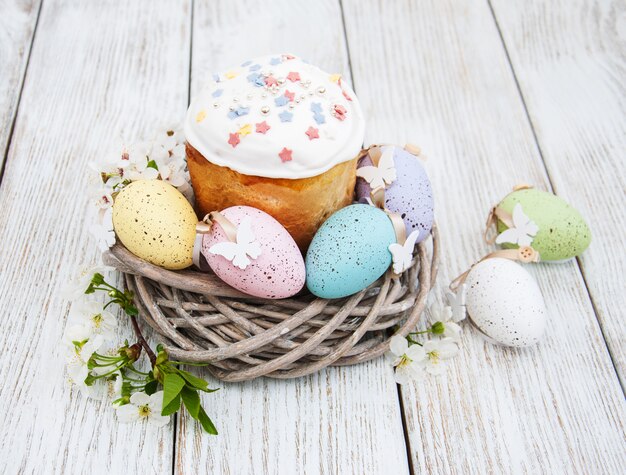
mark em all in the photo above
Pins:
pixel 505 304
pixel 410 195
pixel 349 251
pixel 278 272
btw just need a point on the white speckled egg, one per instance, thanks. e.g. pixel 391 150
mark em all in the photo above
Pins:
pixel 156 223
pixel 277 273
pixel 505 303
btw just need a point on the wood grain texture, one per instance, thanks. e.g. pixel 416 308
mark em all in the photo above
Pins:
pixel 570 60
pixel 17 27
pixel 97 70
pixel 342 420
pixel 435 73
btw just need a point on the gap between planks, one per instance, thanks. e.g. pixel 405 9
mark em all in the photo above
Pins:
pixel 550 179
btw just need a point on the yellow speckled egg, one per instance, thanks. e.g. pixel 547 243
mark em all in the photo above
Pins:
pixel 156 223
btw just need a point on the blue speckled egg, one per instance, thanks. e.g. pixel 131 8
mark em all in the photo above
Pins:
pixel 410 195
pixel 349 251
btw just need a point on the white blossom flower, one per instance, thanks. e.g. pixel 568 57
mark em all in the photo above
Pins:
pixel 75 289
pixel 432 356
pixel 88 319
pixel 172 171
pixel 444 315
pixel 405 360
pixel 77 366
pixel 103 231
pixel 142 406
pixel 115 386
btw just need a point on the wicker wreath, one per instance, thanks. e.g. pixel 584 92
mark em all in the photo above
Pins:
pixel 201 319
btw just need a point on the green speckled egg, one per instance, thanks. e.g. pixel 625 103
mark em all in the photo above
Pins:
pixel 156 223
pixel 563 233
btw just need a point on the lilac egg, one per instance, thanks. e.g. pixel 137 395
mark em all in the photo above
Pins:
pixel 410 194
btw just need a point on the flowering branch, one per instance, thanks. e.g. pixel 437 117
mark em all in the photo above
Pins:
pixel 137 391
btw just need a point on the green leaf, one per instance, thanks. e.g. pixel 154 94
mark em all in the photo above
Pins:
pixel 172 407
pixel 152 164
pixel 151 387
pixel 206 422
pixel 191 400
pixel 131 310
pixel 194 381
pixel 172 385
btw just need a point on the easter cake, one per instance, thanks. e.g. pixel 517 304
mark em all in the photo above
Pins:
pixel 278 134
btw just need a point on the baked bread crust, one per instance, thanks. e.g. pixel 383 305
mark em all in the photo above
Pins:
pixel 301 205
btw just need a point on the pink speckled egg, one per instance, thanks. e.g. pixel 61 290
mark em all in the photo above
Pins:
pixel 276 272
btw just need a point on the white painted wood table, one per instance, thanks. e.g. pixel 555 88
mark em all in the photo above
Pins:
pixel 496 92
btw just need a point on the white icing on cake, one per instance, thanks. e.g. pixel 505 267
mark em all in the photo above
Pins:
pixel 314 118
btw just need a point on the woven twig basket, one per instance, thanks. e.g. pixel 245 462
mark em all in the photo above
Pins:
pixel 199 318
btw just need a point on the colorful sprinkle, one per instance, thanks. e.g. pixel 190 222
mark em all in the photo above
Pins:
pixel 285 155
pixel 238 112
pixel 200 117
pixel 290 95
pixel 316 107
pixel 234 139
pixel 231 75
pixel 293 76
pixel 247 63
pixel 217 92
pixel 245 130
pixel 262 127
pixel 319 118
pixel 285 116
pixel 216 77
pixel 281 101
pixel 271 81
pixel 339 112
pixel 254 67
pixel 335 78
pixel 287 57
pixel 275 61
pixel 345 94
pixel 312 133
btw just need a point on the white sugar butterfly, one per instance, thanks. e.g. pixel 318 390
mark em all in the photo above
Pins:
pixel 402 254
pixel 456 301
pixel 383 174
pixel 523 230
pixel 240 252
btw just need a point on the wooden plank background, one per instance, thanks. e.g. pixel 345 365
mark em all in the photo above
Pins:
pixel 496 93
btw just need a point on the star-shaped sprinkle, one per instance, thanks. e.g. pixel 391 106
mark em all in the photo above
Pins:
pixel 216 77
pixel 217 92
pixel 245 130
pixel 271 81
pixel 293 76
pixel 312 133
pixel 316 107
pixel 254 67
pixel 231 75
pixel 200 117
pixel 339 111
pixel 285 155
pixel 335 78
pixel 238 112
pixel 285 116
pixel 262 127
pixel 319 118
pixel 252 77
pixel 275 61
pixel 247 63
pixel 234 139
pixel 290 95
pixel 281 101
